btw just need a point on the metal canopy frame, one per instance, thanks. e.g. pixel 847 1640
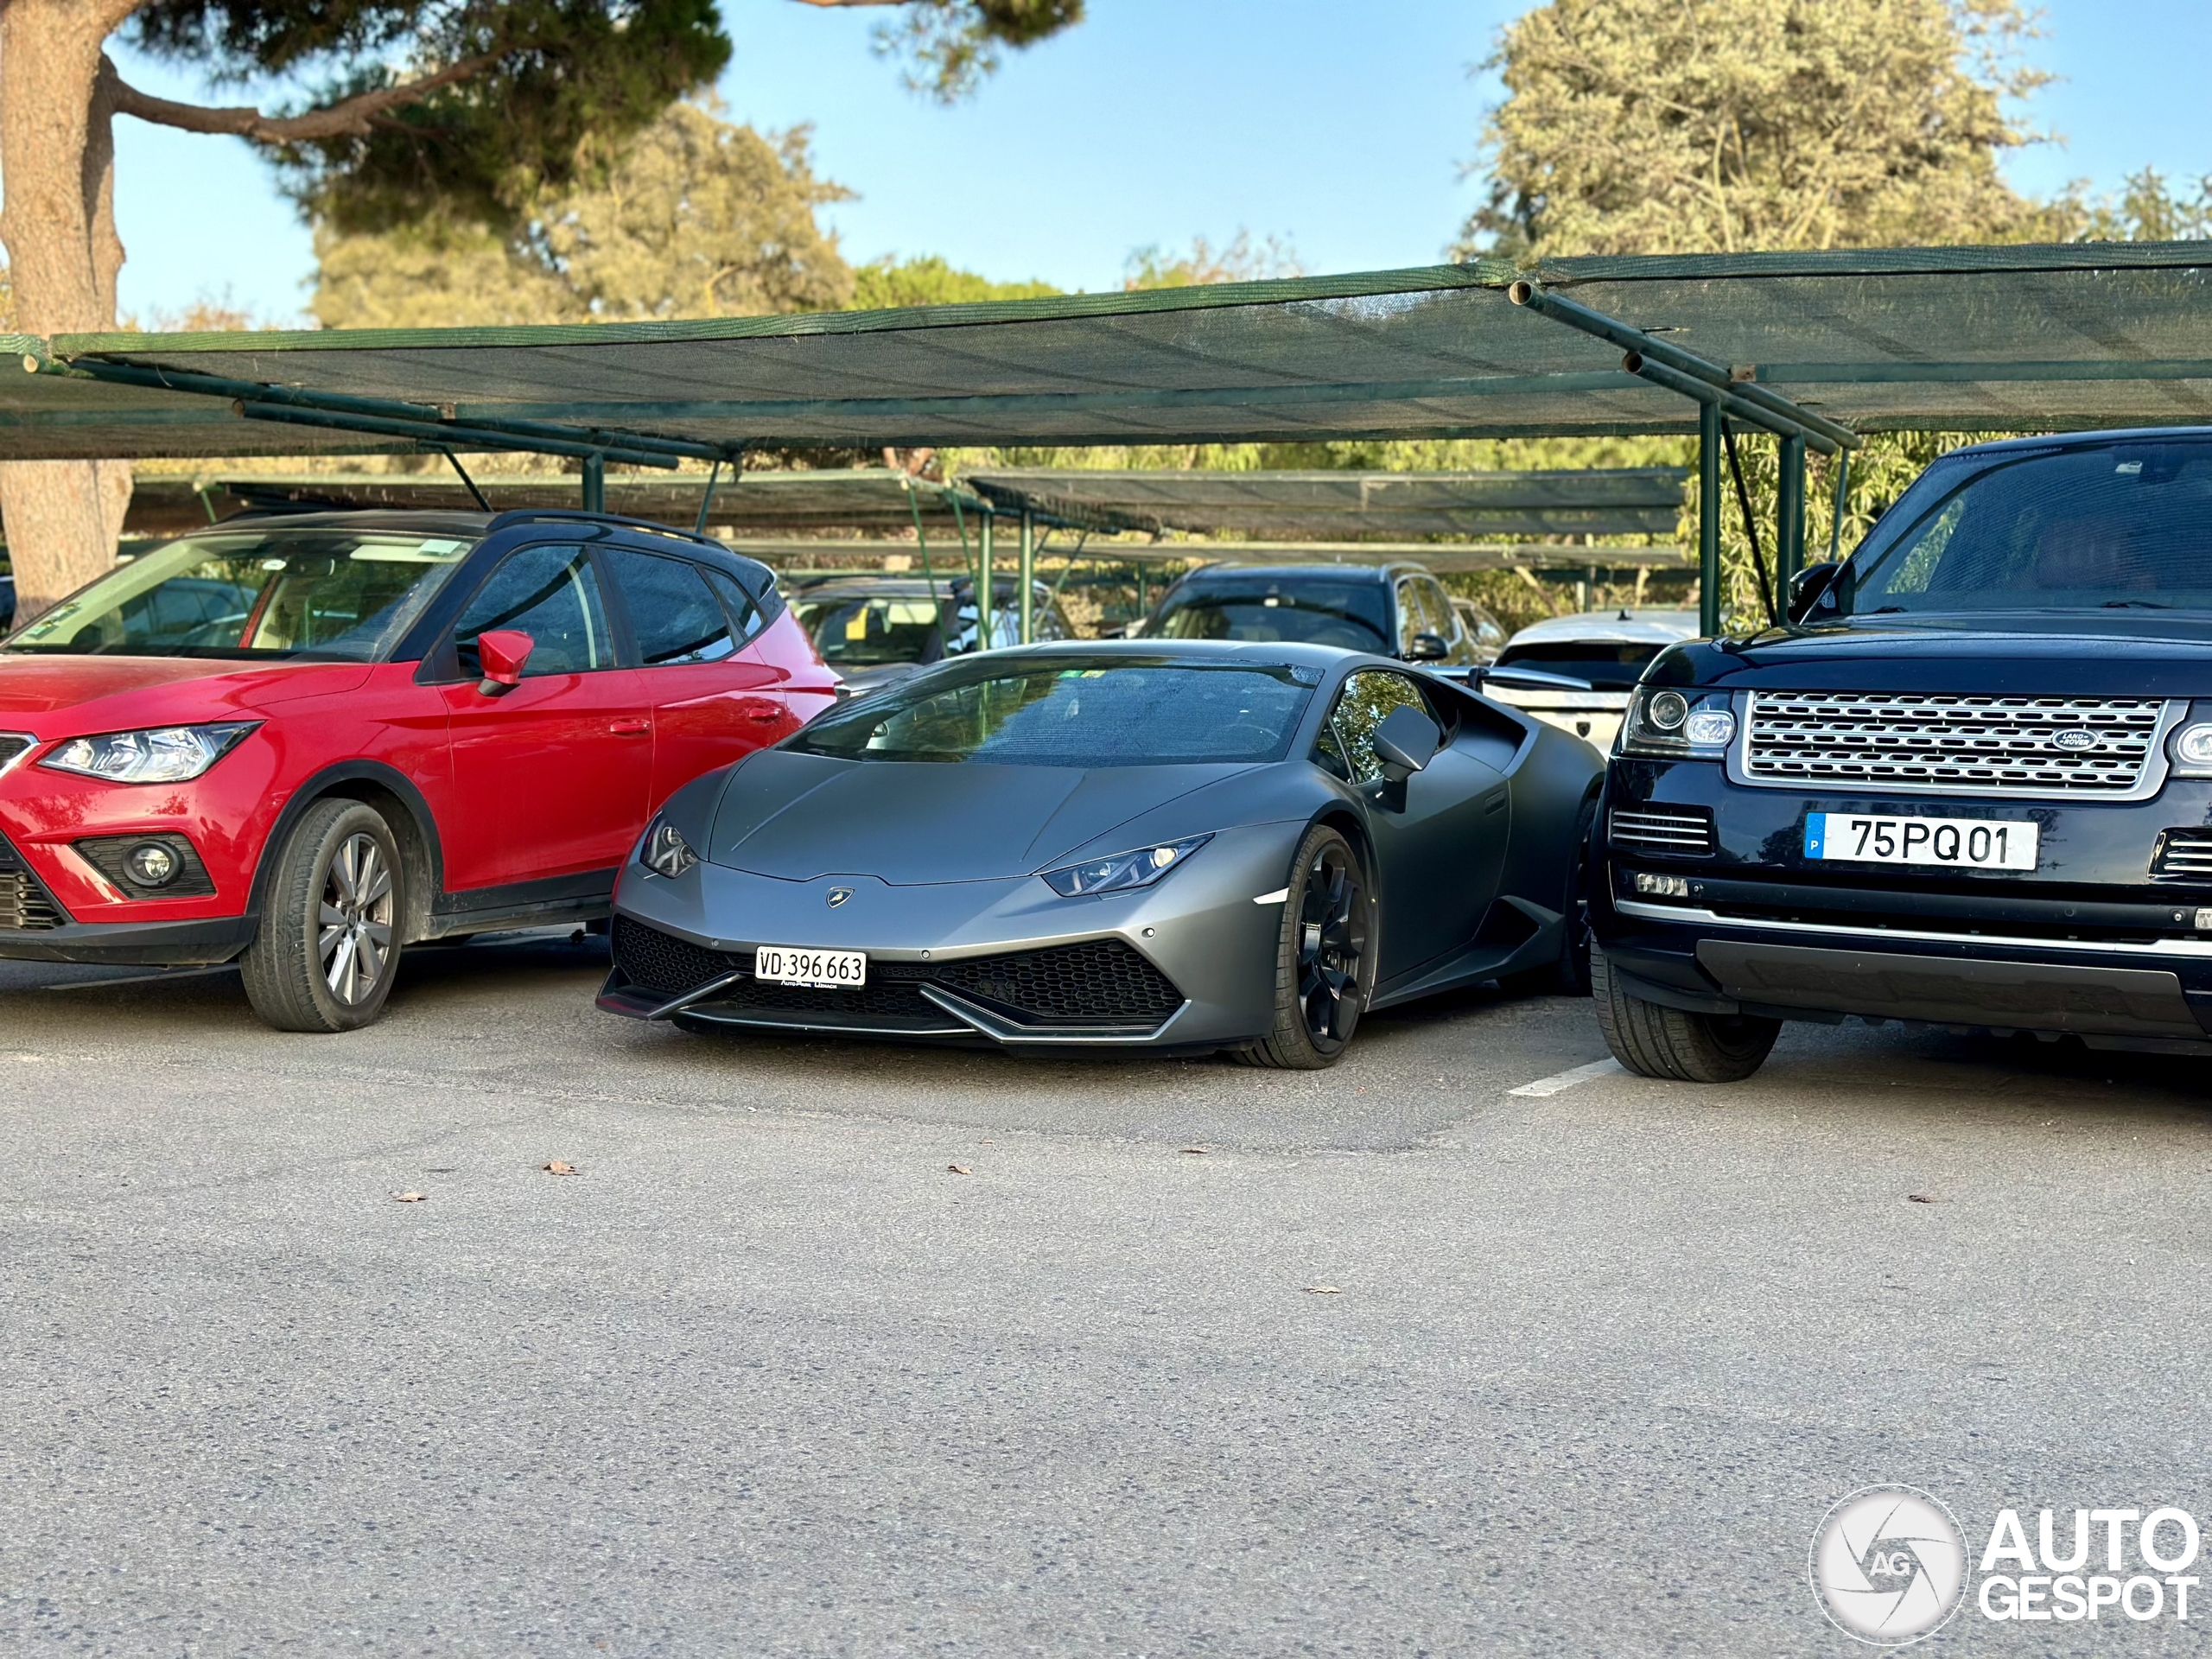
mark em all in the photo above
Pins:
pixel 1712 386
pixel 1812 349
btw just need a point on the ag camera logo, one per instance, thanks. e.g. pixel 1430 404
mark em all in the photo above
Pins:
pixel 1889 1565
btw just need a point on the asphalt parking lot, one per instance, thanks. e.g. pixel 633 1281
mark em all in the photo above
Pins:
pixel 1192 1359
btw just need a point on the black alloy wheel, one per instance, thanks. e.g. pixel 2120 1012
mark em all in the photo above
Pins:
pixel 1332 945
pixel 1323 958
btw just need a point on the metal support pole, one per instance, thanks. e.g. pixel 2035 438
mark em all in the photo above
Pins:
pixel 1789 521
pixel 594 484
pixel 1745 399
pixel 1709 519
pixel 1028 577
pixel 707 501
pixel 922 536
pixel 1842 498
pixel 1080 539
pixel 557 440
pixel 983 593
pixel 439 435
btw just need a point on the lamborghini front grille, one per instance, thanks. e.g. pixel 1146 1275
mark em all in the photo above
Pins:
pixel 1095 983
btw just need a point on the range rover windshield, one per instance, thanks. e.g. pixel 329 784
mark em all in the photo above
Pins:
pixel 265 593
pixel 2121 526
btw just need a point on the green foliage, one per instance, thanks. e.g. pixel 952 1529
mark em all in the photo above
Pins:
pixel 889 283
pixel 553 88
pixel 1242 261
pixel 950 47
pixel 699 217
pixel 2146 209
pixel 1634 126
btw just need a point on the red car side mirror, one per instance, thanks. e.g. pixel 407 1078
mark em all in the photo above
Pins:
pixel 502 652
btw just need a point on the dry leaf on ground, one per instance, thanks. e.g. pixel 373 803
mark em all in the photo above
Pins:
pixel 960 1169
pixel 557 1168
pixel 1323 1290
pixel 409 1197
pixel 1201 1151
pixel 1921 1197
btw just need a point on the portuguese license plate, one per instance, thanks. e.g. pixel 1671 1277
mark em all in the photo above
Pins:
pixel 790 965
pixel 1950 844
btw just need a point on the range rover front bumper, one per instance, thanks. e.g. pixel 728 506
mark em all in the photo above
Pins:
pixel 2090 945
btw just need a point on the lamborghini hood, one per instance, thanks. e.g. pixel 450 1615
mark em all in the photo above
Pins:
pixel 801 816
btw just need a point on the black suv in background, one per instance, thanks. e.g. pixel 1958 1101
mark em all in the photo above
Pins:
pixel 1393 610
pixel 877 630
pixel 1969 784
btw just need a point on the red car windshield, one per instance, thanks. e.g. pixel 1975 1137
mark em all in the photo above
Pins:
pixel 265 593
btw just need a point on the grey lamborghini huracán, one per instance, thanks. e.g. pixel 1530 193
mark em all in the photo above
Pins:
pixel 1164 845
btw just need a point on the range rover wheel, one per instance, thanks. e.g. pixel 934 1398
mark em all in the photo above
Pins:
pixel 328 947
pixel 1324 967
pixel 1654 1042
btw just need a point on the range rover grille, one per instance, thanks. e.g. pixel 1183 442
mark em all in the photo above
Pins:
pixel 1903 740
pixel 2183 854
pixel 1683 831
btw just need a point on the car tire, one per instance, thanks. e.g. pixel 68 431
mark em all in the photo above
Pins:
pixel 1653 1040
pixel 1568 974
pixel 1324 960
pixel 327 949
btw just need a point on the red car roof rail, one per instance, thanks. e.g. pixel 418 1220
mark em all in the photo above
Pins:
pixel 570 515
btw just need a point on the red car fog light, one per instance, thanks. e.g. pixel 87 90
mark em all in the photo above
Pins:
pixel 152 864
pixel 149 865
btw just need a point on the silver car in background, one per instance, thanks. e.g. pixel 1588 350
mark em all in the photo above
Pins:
pixel 1605 652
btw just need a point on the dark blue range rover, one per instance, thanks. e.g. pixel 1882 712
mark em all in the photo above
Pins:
pixel 1970 784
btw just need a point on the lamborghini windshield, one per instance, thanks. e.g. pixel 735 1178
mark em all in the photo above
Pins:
pixel 2118 526
pixel 1121 711
pixel 265 593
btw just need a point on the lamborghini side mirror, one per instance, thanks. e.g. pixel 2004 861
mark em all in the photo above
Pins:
pixel 1405 742
pixel 502 652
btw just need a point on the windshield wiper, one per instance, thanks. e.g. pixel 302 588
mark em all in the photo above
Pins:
pixel 2137 604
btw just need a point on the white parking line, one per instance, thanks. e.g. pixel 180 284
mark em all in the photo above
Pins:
pixel 1560 1080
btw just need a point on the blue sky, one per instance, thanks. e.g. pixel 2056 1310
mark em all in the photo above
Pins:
pixel 1338 128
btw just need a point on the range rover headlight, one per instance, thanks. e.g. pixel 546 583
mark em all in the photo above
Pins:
pixel 2193 749
pixel 1665 723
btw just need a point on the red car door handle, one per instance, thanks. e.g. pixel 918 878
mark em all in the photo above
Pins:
pixel 631 727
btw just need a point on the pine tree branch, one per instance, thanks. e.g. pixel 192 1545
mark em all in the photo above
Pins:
pixel 349 117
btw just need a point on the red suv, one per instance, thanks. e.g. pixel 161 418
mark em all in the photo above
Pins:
pixel 305 740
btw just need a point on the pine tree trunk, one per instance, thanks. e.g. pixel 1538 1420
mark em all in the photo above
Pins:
pixel 57 159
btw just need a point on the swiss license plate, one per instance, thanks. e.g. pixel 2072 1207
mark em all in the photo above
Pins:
pixel 790 965
pixel 1952 843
